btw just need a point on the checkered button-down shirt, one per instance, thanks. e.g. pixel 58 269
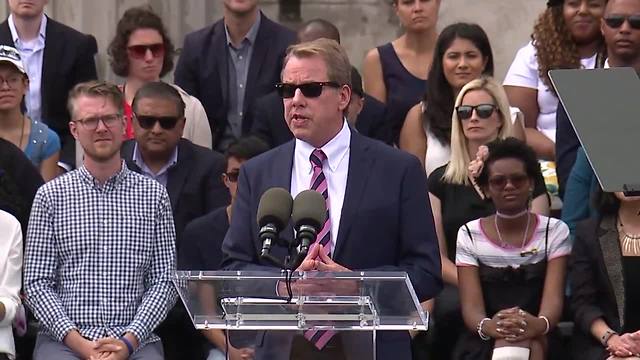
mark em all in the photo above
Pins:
pixel 99 258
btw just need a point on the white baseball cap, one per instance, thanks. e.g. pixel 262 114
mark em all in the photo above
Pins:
pixel 10 54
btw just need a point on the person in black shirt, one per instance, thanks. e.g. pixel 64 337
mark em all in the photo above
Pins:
pixel 202 241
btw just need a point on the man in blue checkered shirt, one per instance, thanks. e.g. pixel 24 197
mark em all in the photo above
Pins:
pixel 100 245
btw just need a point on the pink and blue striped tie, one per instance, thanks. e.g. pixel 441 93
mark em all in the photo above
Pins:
pixel 320 338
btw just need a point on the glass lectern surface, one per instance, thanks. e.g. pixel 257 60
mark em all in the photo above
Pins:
pixel 354 305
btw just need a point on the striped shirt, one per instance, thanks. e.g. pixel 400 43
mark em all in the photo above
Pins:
pixel 482 249
pixel 99 257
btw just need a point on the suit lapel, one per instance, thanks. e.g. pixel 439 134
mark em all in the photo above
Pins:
pixel 177 175
pixel 281 176
pixel 360 163
pixel 53 50
pixel 221 54
pixel 612 256
pixel 5 34
pixel 260 48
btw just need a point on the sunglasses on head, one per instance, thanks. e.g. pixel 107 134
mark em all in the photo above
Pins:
pixel 310 89
pixel 615 21
pixel 139 51
pixel 500 182
pixel 166 122
pixel 484 111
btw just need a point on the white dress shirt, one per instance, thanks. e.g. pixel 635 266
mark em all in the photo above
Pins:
pixel 335 169
pixel 32 54
pixel 10 277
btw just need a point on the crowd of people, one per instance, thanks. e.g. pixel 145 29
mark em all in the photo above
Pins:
pixel 106 190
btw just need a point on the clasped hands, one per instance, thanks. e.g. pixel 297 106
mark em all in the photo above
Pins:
pixel 104 349
pixel 515 325
pixel 318 260
pixel 624 346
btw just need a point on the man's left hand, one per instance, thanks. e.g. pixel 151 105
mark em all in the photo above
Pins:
pixel 325 263
pixel 111 349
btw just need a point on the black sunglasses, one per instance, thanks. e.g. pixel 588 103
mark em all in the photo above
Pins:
pixel 233 176
pixel 310 89
pixel 615 21
pixel 484 111
pixel 166 122
pixel 499 182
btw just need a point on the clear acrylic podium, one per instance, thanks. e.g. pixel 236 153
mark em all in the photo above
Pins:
pixel 255 309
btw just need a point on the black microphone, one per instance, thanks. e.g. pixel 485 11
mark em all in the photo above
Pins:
pixel 308 216
pixel 274 211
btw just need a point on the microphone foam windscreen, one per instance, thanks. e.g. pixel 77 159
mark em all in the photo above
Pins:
pixel 309 208
pixel 275 207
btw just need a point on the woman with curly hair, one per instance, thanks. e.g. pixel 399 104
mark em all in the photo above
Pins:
pixel 565 36
pixel 141 52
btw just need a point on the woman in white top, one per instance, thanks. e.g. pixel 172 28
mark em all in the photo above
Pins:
pixel 10 279
pixel 462 53
pixel 511 264
pixel 566 35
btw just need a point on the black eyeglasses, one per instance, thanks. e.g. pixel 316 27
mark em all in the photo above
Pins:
pixel 232 176
pixel 91 122
pixel 484 111
pixel 310 89
pixel 500 182
pixel 148 121
pixel 615 21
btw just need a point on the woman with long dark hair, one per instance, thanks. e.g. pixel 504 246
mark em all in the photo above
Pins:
pixel 462 53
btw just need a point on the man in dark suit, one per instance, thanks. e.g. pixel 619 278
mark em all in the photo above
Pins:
pixel 623 50
pixel 366 113
pixel 57 57
pixel 379 213
pixel 192 176
pixel 230 63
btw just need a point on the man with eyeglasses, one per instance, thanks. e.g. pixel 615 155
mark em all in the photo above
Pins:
pixel 376 198
pixel 230 64
pixel 192 175
pixel 201 247
pixel 56 57
pixel 620 26
pixel 100 245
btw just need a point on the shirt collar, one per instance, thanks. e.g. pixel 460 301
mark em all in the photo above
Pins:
pixel 606 64
pixel 113 181
pixel 251 35
pixel 14 32
pixel 137 159
pixel 336 149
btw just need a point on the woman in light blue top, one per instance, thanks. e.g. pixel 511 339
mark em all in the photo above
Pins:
pixel 39 143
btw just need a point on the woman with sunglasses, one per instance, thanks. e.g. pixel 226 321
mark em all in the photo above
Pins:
pixel 38 142
pixel 462 53
pixel 605 280
pixel 395 73
pixel 141 52
pixel 478 118
pixel 566 35
pixel 511 264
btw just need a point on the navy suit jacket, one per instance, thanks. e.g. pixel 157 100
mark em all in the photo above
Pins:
pixel 202 69
pixel 567 145
pixel 194 184
pixel 386 223
pixel 270 125
pixel 67 60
